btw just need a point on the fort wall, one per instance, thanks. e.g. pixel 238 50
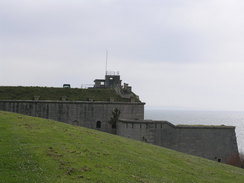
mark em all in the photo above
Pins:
pixel 81 113
pixel 213 142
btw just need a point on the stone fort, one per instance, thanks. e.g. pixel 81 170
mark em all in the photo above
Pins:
pixel 119 111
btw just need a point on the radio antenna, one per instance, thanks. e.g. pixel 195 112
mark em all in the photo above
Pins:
pixel 106 67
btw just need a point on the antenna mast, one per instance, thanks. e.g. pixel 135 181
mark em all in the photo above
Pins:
pixel 106 67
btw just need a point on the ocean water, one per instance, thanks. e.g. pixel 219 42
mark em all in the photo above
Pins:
pixel 231 118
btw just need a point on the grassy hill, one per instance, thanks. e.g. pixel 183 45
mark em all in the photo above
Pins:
pixel 47 93
pixel 40 150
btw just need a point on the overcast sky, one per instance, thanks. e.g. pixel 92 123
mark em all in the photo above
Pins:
pixel 176 54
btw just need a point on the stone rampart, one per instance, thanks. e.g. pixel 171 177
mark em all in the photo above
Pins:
pixel 91 114
pixel 213 142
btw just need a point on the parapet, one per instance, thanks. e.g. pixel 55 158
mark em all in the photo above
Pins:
pixel 145 122
pixel 205 126
pixel 176 126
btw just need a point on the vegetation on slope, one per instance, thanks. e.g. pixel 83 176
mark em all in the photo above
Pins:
pixel 46 93
pixel 40 150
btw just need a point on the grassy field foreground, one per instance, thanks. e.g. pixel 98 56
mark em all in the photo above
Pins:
pixel 40 150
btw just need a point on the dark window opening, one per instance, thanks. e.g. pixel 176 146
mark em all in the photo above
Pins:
pixel 99 124
pixel 126 125
pixel 140 125
pixel 219 160
pixel 161 125
pixel 132 125
pixel 155 125
pixel 114 125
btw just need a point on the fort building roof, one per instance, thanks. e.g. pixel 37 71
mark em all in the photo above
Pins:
pixel 68 94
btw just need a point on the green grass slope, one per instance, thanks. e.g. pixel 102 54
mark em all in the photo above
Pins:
pixel 40 150
pixel 47 93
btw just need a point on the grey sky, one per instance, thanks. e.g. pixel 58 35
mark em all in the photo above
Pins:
pixel 176 53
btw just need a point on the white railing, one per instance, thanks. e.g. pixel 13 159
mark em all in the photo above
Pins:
pixel 112 73
pixel 85 86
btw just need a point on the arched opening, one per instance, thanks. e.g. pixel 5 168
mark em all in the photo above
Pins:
pixel 114 126
pixel 217 159
pixel 98 124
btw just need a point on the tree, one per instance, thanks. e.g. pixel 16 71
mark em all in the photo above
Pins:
pixel 115 117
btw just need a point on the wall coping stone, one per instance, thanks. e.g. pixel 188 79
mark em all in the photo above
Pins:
pixel 145 122
pixel 177 126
